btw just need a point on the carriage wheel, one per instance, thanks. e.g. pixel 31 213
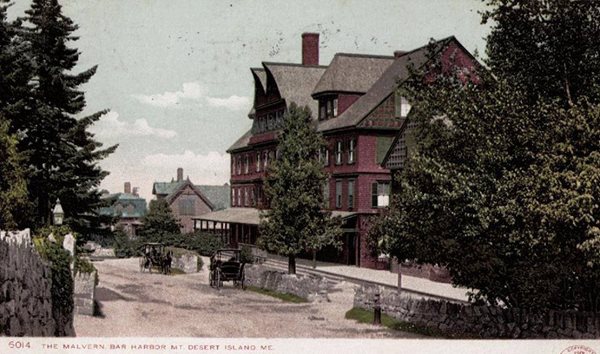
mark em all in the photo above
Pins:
pixel 218 282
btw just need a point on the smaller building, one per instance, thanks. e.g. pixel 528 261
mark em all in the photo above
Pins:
pixel 188 201
pixel 128 208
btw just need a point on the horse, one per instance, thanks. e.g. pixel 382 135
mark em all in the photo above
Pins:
pixel 165 264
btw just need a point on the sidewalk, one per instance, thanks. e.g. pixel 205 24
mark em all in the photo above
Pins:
pixel 384 277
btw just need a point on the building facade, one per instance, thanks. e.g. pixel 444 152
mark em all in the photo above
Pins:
pixel 355 105
pixel 128 208
pixel 188 201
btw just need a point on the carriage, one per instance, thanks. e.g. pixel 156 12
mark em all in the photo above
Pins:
pixel 154 254
pixel 226 265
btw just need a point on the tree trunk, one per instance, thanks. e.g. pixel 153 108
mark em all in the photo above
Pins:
pixel 314 261
pixel 292 264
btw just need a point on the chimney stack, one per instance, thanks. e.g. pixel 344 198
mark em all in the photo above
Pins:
pixel 127 188
pixel 136 191
pixel 310 49
pixel 179 174
pixel 399 53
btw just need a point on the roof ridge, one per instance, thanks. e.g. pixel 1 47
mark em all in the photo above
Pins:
pixel 363 55
pixel 294 65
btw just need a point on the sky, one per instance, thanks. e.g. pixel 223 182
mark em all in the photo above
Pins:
pixel 175 73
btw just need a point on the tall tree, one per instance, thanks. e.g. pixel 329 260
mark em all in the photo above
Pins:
pixel 503 190
pixel 547 48
pixel 159 223
pixel 14 205
pixel 295 221
pixel 62 153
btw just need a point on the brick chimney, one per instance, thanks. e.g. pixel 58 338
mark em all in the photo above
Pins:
pixel 127 188
pixel 399 53
pixel 136 191
pixel 310 49
pixel 179 174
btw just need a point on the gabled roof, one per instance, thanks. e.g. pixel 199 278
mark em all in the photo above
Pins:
pixel 219 196
pixel 352 73
pixel 261 75
pixel 124 199
pixel 393 76
pixel 241 142
pixel 295 82
pixel 166 188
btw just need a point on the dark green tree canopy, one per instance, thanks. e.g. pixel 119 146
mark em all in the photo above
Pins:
pixel 159 222
pixel 296 221
pixel 547 48
pixel 502 189
pixel 43 104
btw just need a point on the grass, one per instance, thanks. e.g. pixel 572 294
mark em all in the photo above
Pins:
pixel 364 316
pixel 282 296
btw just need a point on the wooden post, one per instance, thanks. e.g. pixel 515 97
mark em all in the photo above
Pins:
pixel 399 277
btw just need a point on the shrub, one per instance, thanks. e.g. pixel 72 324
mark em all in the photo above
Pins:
pixel 125 247
pixel 62 282
pixel 246 254
pixel 83 265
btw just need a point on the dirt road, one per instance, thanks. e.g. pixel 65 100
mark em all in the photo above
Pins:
pixel 147 305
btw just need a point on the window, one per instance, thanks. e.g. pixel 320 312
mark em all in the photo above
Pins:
pixel 402 106
pixel 253 197
pixel 338 194
pixel 335 107
pixel 338 152
pixel 239 197
pixel 326 194
pixel 258 162
pixel 351 194
pixel 380 194
pixel 233 166
pixel 186 206
pixel 246 199
pixel 265 159
pixel 351 150
pixel 239 165
pixel 259 195
pixel 324 156
pixel 328 108
pixel 279 119
pixel 270 121
pixel 246 163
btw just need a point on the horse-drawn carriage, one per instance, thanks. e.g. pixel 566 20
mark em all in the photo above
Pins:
pixel 227 265
pixel 154 254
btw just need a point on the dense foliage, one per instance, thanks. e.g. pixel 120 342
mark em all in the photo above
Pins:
pixel 294 182
pixel 62 281
pixel 14 205
pixel 503 187
pixel 42 103
pixel 159 222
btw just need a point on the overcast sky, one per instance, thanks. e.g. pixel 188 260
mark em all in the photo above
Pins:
pixel 175 73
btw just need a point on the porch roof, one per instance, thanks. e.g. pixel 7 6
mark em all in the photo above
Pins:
pixel 250 216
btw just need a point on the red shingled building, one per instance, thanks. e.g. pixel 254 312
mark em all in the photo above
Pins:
pixel 356 107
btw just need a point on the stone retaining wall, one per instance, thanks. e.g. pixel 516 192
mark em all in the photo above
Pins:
pixel 25 294
pixel 84 293
pixel 312 288
pixel 480 321
pixel 186 262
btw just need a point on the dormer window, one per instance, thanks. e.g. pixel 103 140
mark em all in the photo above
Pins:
pixel 328 107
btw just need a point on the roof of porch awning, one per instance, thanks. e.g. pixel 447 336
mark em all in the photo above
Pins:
pixel 250 216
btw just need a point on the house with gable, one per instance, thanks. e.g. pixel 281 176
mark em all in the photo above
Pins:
pixel 128 209
pixel 188 201
pixel 356 106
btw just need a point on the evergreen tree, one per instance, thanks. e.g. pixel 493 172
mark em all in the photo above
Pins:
pixel 14 206
pixel 159 223
pixel 295 222
pixel 62 153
